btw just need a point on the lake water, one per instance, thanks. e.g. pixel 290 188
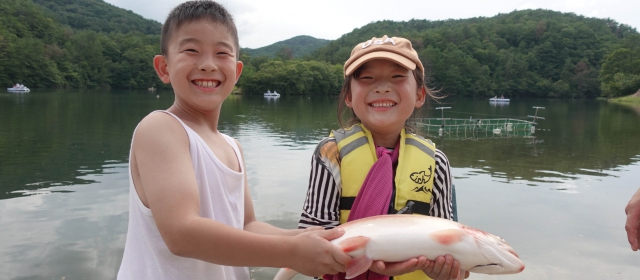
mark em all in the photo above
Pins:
pixel 558 198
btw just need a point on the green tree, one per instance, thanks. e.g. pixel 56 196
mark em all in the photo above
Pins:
pixel 620 73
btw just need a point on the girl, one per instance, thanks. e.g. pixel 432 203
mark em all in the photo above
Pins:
pixel 374 165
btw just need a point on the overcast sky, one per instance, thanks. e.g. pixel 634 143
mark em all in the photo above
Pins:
pixel 263 22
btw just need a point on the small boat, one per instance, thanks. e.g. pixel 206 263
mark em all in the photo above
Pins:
pixel 498 99
pixel 18 88
pixel 271 94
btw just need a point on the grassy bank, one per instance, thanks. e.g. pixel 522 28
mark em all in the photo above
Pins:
pixel 633 99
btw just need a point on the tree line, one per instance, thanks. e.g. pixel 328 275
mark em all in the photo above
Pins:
pixel 522 54
pixel 40 52
pixel 531 53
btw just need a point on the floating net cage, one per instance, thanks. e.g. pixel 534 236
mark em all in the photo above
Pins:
pixel 475 128
pixel 471 128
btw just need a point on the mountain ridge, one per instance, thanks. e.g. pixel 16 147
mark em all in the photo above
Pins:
pixel 294 47
pixel 528 53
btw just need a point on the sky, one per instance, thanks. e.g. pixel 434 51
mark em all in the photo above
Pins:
pixel 264 22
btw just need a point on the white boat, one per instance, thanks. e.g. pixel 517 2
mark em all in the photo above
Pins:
pixel 271 94
pixel 498 99
pixel 18 88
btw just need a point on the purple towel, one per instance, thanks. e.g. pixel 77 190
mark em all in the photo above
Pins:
pixel 373 199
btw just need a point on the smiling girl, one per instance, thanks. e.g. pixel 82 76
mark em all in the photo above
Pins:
pixel 374 165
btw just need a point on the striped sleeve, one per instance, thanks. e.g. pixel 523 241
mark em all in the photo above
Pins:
pixel 441 198
pixel 321 206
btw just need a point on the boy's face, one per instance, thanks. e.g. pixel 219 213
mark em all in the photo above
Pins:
pixel 200 64
pixel 384 95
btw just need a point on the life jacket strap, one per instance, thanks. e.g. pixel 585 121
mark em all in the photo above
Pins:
pixel 346 202
pixel 416 207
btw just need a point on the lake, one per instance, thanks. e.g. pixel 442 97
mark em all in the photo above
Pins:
pixel 557 196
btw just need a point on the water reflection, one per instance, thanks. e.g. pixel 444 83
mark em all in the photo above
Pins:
pixel 56 137
pixel 66 232
pixel 556 196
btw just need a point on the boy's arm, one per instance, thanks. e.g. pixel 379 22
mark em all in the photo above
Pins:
pixel 163 161
pixel 255 226
pixel 250 222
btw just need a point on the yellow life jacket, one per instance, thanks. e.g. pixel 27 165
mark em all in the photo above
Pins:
pixel 413 179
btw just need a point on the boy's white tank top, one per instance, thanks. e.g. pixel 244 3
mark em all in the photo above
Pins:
pixel 221 190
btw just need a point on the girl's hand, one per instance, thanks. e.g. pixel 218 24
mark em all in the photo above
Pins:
pixel 444 267
pixel 399 268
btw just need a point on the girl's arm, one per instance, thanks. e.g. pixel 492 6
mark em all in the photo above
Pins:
pixel 441 199
pixel 321 206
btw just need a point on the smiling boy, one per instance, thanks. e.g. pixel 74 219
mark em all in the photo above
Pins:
pixel 191 215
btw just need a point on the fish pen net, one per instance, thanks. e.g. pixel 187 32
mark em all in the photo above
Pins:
pixel 475 128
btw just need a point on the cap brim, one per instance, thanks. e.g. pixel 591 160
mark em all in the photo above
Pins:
pixel 405 62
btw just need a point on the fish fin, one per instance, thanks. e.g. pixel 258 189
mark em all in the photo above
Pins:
pixel 354 245
pixel 358 265
pixel 285 274
pixel 461 274
pixel 448 236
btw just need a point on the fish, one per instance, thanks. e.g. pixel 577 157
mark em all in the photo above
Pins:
pixel 396 238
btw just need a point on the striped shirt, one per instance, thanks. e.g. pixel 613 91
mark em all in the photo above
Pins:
pixel 322 204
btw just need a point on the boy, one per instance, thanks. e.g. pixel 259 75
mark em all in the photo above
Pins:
pixel 191 214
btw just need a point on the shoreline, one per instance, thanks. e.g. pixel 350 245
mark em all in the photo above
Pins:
pixel 633 99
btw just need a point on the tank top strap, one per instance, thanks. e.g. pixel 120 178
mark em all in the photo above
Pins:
pixel 176 117
pixel 236 149
pixel 229 139
pixel 192 134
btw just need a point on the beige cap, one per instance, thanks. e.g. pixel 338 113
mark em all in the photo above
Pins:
pixel 396 49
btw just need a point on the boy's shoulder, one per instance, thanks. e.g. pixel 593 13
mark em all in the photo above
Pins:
pixel 157 121
pixel 158 125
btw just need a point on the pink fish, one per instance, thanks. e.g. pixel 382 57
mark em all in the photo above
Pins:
pixel 394 238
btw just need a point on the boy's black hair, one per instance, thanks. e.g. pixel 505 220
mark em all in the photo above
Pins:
pixel 191 11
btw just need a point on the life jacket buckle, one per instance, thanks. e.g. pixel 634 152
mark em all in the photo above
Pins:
pixel 407 209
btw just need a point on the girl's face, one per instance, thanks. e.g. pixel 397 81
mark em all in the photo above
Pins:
pixel 384 95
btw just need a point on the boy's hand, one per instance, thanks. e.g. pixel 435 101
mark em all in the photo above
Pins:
pixel 313 228
pixel 444 267
pixel 314 255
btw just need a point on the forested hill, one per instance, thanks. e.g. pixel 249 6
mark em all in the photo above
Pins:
pixel 76 43
pixel 291 48
pixel 97 15
pixel 530 53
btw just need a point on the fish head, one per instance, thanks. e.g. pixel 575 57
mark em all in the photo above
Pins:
pixel 501 258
